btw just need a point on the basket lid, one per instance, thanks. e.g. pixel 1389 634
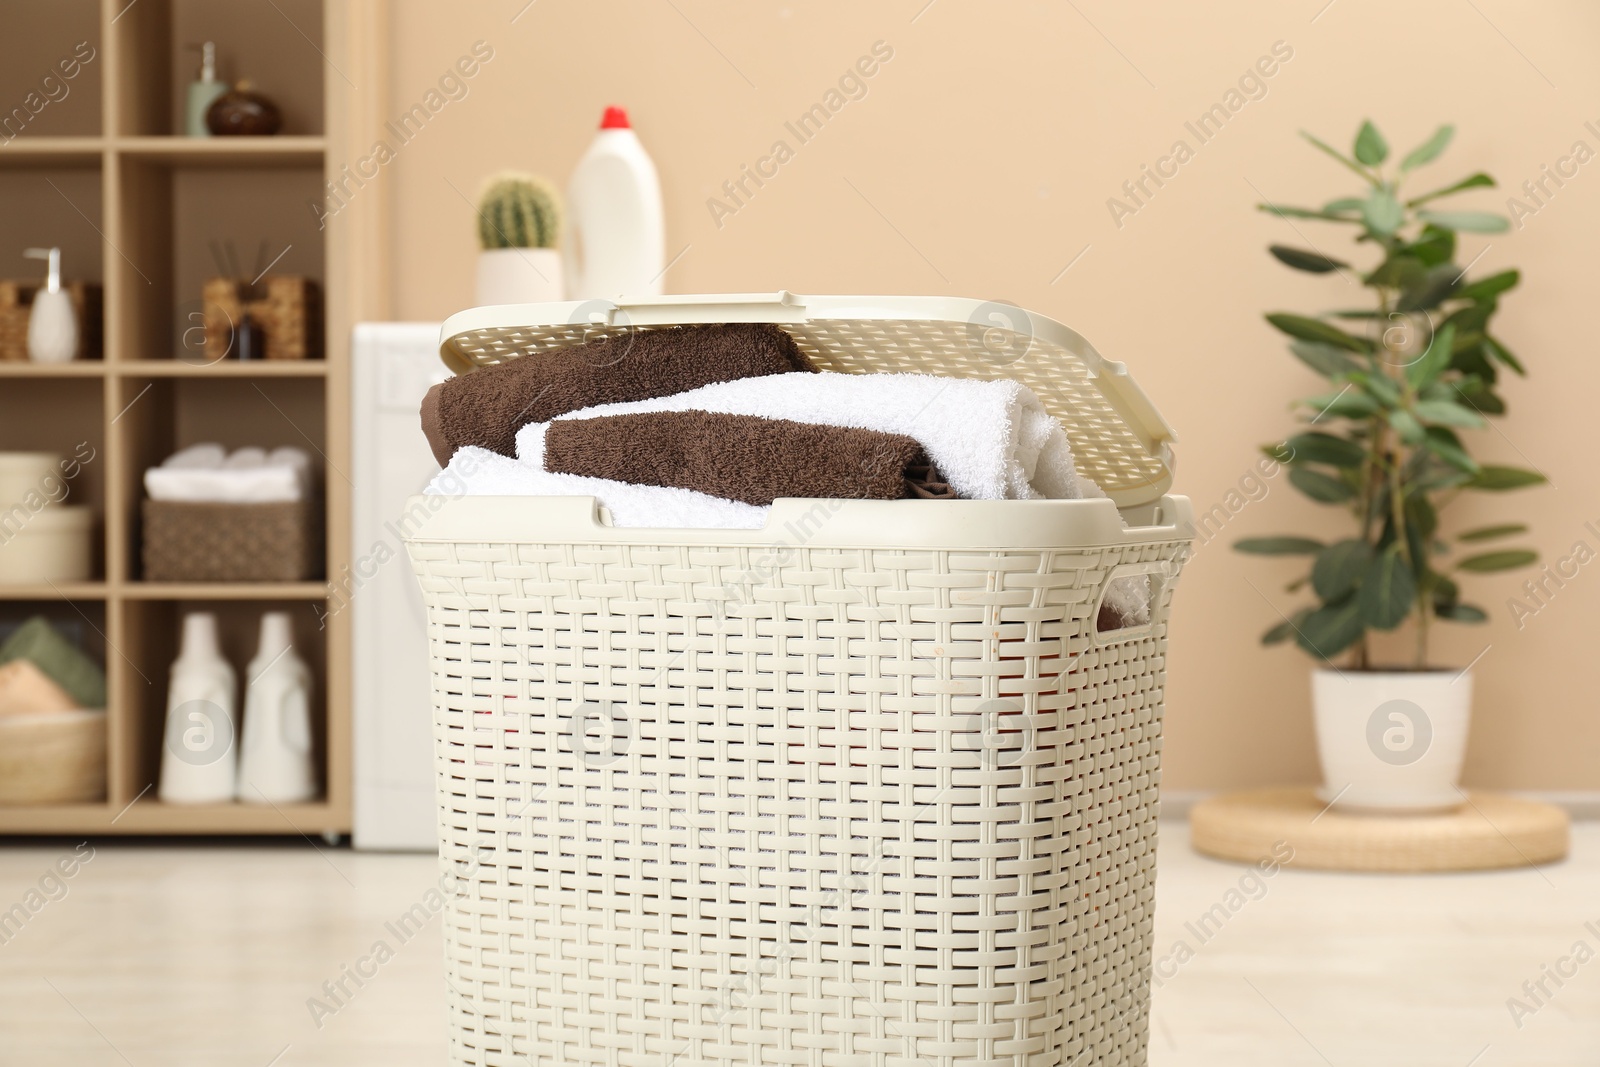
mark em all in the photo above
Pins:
pixel 1118 438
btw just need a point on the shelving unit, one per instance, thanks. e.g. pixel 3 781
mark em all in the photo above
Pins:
pixel 102 173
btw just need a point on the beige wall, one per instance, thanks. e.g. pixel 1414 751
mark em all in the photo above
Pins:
pixel 980 162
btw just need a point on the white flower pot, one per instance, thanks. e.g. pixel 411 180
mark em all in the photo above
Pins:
pixel 519 276
pixel 1391 741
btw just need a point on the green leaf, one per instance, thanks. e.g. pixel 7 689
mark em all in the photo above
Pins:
pixel 1340 157
pixel 1497 479
pixel 1447 446
pixel 1484 402
pixel 1428 150
pixel 1278 546
pixel 1476 181
pixel 1504 560
pixel 1351 403
pixel 1435 246
pixel 1382 212
pixel 1494 285
pixel 1388 590
pixel 1421 521
pixel 1461 612
pixel 1343 205
pixel 1283 211
pixel 1339 568
pixel 1445 413
pixel 1471 359
pixel 1431 290
pixel 1299 259
pixel 1325 448
pixel 1406 425
pixel 1379 385
pixel 1320 487
pixel 1331 629
pixel 1285 629
pixel 1371 148
pixel 1400 271
pixel 1307 329
pixel 1433 362
pixel 1489 533
pixel 1500 352
pixel 1325 359
pixel 1466 221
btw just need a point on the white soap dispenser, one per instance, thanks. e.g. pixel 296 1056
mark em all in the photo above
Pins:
pixel 52 324
pixel 275 759
pixel 199 761
pixel 203 91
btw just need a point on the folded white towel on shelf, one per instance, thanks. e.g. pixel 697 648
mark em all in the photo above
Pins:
pixel 990 440
pixel 474 471
pixel 204 455
pixel 206 473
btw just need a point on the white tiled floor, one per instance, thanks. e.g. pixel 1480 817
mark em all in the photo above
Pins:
pixel 202 956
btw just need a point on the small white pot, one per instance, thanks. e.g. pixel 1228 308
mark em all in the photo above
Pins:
pixel 1391 741
pixel 519 276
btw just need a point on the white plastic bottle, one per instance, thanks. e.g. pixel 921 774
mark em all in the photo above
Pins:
pixel 616 243
pixel 52 324
pixel 198 756
pixel 275 758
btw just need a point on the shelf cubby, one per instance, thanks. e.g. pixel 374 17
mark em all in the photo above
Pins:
pixel 52 71
pixel 63 416
pixel 152 629
pixel 167 413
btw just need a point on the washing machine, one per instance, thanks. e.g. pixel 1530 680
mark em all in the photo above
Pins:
pixel 393 365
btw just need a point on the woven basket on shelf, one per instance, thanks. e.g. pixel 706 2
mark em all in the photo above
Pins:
pixel 866 787
pixel 16 301
pixel 209 542
pixel 288 307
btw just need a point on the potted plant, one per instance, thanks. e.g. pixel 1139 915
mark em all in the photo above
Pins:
pixel 519 227
pixel 1407 374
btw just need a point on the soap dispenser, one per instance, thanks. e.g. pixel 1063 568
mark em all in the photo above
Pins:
pixel 275 757
pixel 199 763
pixel 52 324
pixel 203 91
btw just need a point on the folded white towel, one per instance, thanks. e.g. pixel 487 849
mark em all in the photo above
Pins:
pixel 476 471
pixel 205 455
pixel 245 458
pixel 204 473
pixel 990 440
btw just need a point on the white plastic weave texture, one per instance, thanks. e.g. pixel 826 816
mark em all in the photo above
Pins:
pixel 850 802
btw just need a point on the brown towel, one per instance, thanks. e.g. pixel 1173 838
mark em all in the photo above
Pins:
pixel 743 457
pixel 488 406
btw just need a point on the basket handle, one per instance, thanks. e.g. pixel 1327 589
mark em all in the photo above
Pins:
pixel 1159 572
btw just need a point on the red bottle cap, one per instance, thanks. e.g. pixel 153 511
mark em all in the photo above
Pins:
pixel 615 118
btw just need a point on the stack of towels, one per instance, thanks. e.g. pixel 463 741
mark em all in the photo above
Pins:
pixel 705 426
pixel 210 474
pixel 43 671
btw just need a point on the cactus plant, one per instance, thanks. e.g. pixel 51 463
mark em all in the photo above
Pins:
pixel 518 210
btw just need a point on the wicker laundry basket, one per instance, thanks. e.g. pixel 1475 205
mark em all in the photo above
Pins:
pixel 865 787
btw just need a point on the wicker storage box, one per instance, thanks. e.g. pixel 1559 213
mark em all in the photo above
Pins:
pixel 288 307
pixel 53 757
pixel 865 787
pixel 16 302
pixel 204 542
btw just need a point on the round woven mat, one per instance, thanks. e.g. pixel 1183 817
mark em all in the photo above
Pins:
pixel 1489 830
